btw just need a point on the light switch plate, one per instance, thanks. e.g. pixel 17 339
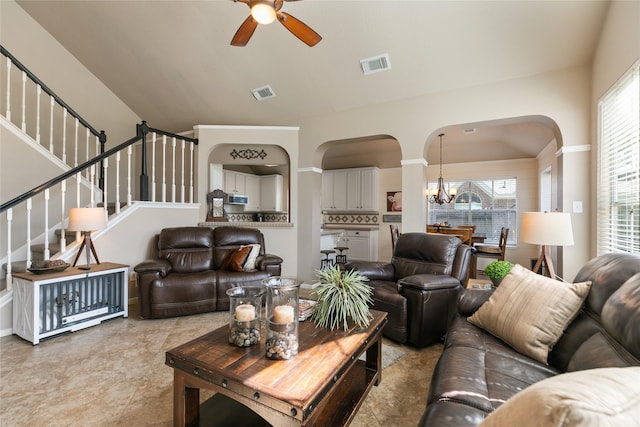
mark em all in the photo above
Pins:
pixel 577 207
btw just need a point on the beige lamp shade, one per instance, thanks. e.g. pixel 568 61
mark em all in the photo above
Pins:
pixel 547 228
pixel 86 219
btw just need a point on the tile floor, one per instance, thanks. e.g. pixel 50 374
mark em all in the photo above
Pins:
pixel 114 374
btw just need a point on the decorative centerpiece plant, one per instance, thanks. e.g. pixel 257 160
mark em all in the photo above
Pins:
pixel 497 270
pixel 341 296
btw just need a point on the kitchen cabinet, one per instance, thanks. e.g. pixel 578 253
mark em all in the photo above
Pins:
pixel 271 193
pixel 350 189
pixel 253 192
pixel 362 244
pixel 334 190
pixel 235 183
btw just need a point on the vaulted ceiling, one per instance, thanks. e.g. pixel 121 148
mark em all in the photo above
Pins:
pixel 172 63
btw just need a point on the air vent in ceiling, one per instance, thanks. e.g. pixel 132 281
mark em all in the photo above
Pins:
pixel 375 64
pixel 263 93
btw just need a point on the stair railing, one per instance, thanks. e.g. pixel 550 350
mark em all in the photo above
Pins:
pixel 113 179
pixel 55 130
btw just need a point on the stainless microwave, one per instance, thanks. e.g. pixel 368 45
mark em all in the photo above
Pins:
pixel 236 199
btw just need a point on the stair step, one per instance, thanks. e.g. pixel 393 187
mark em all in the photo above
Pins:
pixel 37 251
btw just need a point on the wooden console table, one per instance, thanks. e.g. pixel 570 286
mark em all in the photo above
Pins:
pixel 45 305
pixel 323 385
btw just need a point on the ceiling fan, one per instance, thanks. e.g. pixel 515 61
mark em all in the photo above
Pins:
pixel 265 12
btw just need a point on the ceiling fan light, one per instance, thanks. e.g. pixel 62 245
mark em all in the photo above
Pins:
pixel 263 13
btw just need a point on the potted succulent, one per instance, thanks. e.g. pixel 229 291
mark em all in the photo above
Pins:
pixel 497 270
pixel 342 296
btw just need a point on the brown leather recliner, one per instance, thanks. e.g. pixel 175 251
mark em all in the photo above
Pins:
pixel 419 288
pixel 186 276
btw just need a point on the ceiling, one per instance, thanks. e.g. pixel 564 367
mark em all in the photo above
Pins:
pixel 172 64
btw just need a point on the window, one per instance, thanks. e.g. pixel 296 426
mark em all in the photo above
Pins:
pixel 618 211
pixel 489 204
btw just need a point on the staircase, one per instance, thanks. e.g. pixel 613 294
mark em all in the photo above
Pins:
pixel 34 222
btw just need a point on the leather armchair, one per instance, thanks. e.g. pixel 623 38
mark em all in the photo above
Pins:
pixel 419 288
pixel 186 277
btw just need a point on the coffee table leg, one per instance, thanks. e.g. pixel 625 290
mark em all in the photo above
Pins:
pixel 374 359
pixel 186 401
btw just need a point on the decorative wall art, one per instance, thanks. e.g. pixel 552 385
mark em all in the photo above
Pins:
pixel 394 201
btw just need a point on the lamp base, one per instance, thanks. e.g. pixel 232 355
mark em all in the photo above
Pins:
pixel 88 244
pixel 545 259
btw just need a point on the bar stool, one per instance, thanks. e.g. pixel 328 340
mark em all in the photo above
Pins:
pixel 326 262
pixel 341 259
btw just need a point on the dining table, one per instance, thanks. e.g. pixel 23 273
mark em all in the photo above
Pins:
pixel 464 233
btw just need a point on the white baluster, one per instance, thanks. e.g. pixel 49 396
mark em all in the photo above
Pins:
pixel 38 96
pixel 64 136
pixel 153 167
pixel 24 100
pixel 86 147
pixel 182 174
pixel 8 112
pixel 78 182
pixel 173 171
pixel 9 225
pixel 191 173
pixel 104 190
pixel 129 153
pixel 63 235
pixel 51 102
pixel 75 156
pixel 29 205
pixel 47 254
pixel 117 182
pixel 93 186
pixel 164 168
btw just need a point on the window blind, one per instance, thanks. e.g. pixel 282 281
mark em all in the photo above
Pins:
pixel 618 180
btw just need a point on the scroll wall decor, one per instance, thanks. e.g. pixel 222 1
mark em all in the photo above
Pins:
pixel 248 154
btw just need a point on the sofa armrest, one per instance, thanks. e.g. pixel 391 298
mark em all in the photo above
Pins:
pixel 428 282
pixel 161 266
pixel 374 270
pixel 267 259
pixel 471 300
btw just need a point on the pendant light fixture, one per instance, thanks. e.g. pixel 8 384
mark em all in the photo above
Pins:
pixel 441 195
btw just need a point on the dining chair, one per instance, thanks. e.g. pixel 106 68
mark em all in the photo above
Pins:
pixel 395 233
pixel 490 251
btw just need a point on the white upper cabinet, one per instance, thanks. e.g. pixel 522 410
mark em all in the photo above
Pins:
pixel 350 189
pixel 234 183
pixel 252 191
pixel 271 193
pixel 334 190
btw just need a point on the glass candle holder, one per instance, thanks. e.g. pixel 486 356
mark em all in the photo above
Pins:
pixel 245 312
pixel 282 317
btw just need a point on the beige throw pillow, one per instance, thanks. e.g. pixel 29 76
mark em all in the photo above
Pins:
pixel 530 312
pixel 250 263
pixel 594 397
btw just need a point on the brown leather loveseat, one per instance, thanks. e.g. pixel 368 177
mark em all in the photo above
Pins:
pixel 419 288
pixel 194 267
pixel 592 373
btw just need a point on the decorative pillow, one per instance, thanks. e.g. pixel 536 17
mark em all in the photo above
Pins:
pixel 593 397
pixel 250 263
pixel 530 312
pixel 235 259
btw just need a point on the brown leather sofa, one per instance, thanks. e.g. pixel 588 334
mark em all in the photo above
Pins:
pixel 419 288
pixel 186 277
pixel 478 372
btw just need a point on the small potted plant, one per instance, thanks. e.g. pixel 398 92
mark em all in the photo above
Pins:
pixel 497 270
pixel 342 296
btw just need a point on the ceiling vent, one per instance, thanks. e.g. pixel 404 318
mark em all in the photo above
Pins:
pixel 375 64
pixel 263 93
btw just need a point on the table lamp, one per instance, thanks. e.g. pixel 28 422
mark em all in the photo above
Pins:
pixel 86 220
pixel 547 229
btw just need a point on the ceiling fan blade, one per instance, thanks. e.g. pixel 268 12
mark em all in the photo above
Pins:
pixel 299 29
pixel 244 33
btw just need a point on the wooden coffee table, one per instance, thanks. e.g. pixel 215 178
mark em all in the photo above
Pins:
pixel 323 385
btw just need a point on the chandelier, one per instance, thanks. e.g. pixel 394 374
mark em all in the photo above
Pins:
pixel 441 195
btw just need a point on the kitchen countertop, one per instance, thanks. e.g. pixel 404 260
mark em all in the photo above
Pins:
pixel 365 227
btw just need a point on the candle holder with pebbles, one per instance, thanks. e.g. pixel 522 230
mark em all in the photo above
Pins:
pixel 282 317
pixel 245 312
